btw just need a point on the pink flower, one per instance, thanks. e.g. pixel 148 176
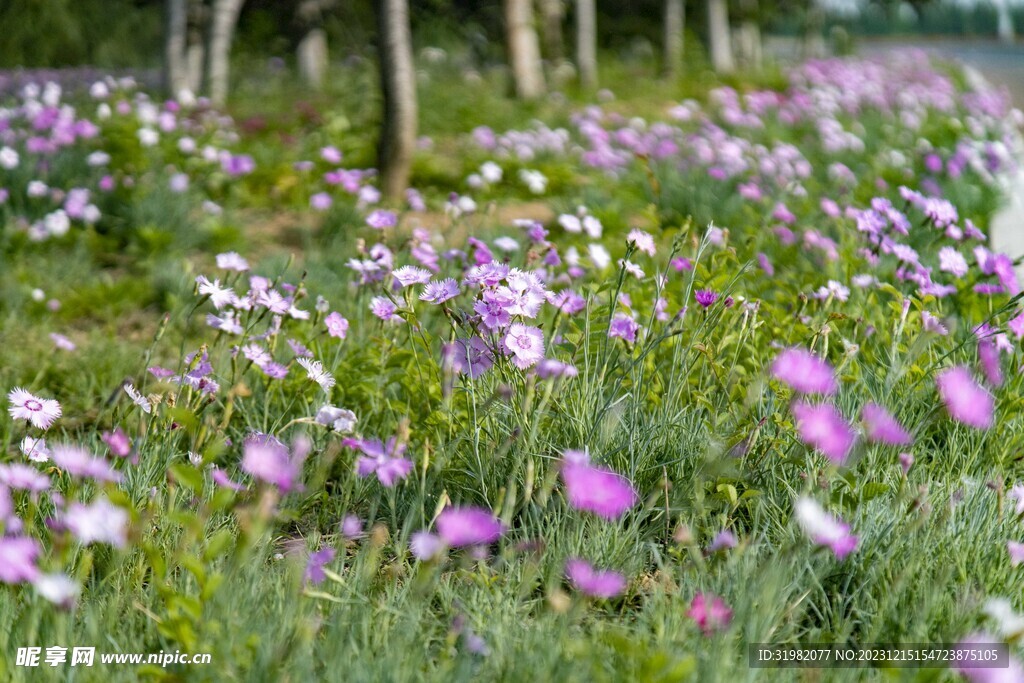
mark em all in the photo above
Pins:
pixel 40 412
pixel 18 555
pixel 1013 672
pixel 965 399
pixel 624 327
pixel 118 442
pixel 385 461
pixel 267 459
pixel 594 489
pixel 468 357
pixel 883 427
pixel 351 527
pixel 411 275
pixel 337 326
pixel 99 522
pixel 381 218
pixel 642 240
pixel 231 260
pixel 824 529
pixel 822 427
pixel 526 344
pixel 24 477
pixel 425 545
pixel 723 540
pixel 468 526
pixel 1016 551
pixel 710 612
pixel 78 462
pixel 988 354
pixel 804 372
pixel 593 582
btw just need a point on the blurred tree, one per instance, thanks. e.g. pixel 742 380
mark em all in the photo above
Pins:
pixel 1005 25
pixel 523 49
pixel 551 15
pixel 195 43
pixel 748 34
pixel 720 36
pixel 223 19
pixel 586 42
pixel 398 86
pixel 675 17
pixel 175 73
pixel 311 52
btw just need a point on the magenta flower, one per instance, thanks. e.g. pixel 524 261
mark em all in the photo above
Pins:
pixel 710 612
pixel 221 478
pixel 337 326
pixel 824 529
pixel 314 573
pixel 118 442
pixel 525 343
pixel 99 522
pixel 882 427
pixel 804 372
pixel 40 412
pixel 468 526
pixel 18 555
pixel 439 291
pixel 594 582
pixel 822 427
pixel 598 490
pixel 965 399
pixel 23 477
pixel 706 297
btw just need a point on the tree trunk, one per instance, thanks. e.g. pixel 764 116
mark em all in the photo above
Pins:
pixel 586 42
pixel 175 72
pixel 719 36
pixel 223 19
pixel 311 52
pixel 195 45
pixel 398 85
pixel 523 49
pixel 551 16
pixel 675 18
pixel 1005 26
pixel 749 35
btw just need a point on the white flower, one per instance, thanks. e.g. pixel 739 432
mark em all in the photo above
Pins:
pixel 219 296
pixel 57 588
pixel 99 522
pixel 35 450
pixel 1001 611
pixel 148 137
pixel 98 158
pixel 315 371
pixel 599 255
pixel 137 398
pixel 339 419
pixel 8 158
pixel 36 188
pixel 491 172
pixel 57 223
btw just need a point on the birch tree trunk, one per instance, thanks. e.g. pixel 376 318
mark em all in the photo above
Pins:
pixel 523 49
pixel 675 18
pixel 586 42
pixel 175 72
pixel 1005 26
pixel 551 16
pixel 195 45
pixel 719 37
pixel 749 36
pixel 311 52
pixel 223 19
pixel 398 85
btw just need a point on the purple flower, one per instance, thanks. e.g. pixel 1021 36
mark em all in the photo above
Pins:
pixel 18 555
pixel 314 573
pixel 550 368
pixel 385 461
pixel 598 490
pixel 383 308
pixel 351 527
pixel 710 612
pixel 822 427
pixel 468 526
pixel 437 292
pixel 593 582
pixel 380 219
pixel 411 275
pixel 492 308
pixel 624 327
pixel 804 372
pixel 78 462
pixel 24 477
pixel 1016 551
pixel 706 297
pixel 40 412
pixel 988 354
pixel 824 529
pixel 966 400
pixel 883 427
pixel 525 344
pixel 723 540
pixel 469 357
pixel 321 201
pixel 337 326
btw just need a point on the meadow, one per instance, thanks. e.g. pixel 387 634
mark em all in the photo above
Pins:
pixel 631 380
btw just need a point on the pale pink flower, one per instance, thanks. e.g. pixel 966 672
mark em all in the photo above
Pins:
pixel 99 522
pixel 40 412
pixel 525 344
pixel 824 529
pixel 594 582
pixel 337 326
